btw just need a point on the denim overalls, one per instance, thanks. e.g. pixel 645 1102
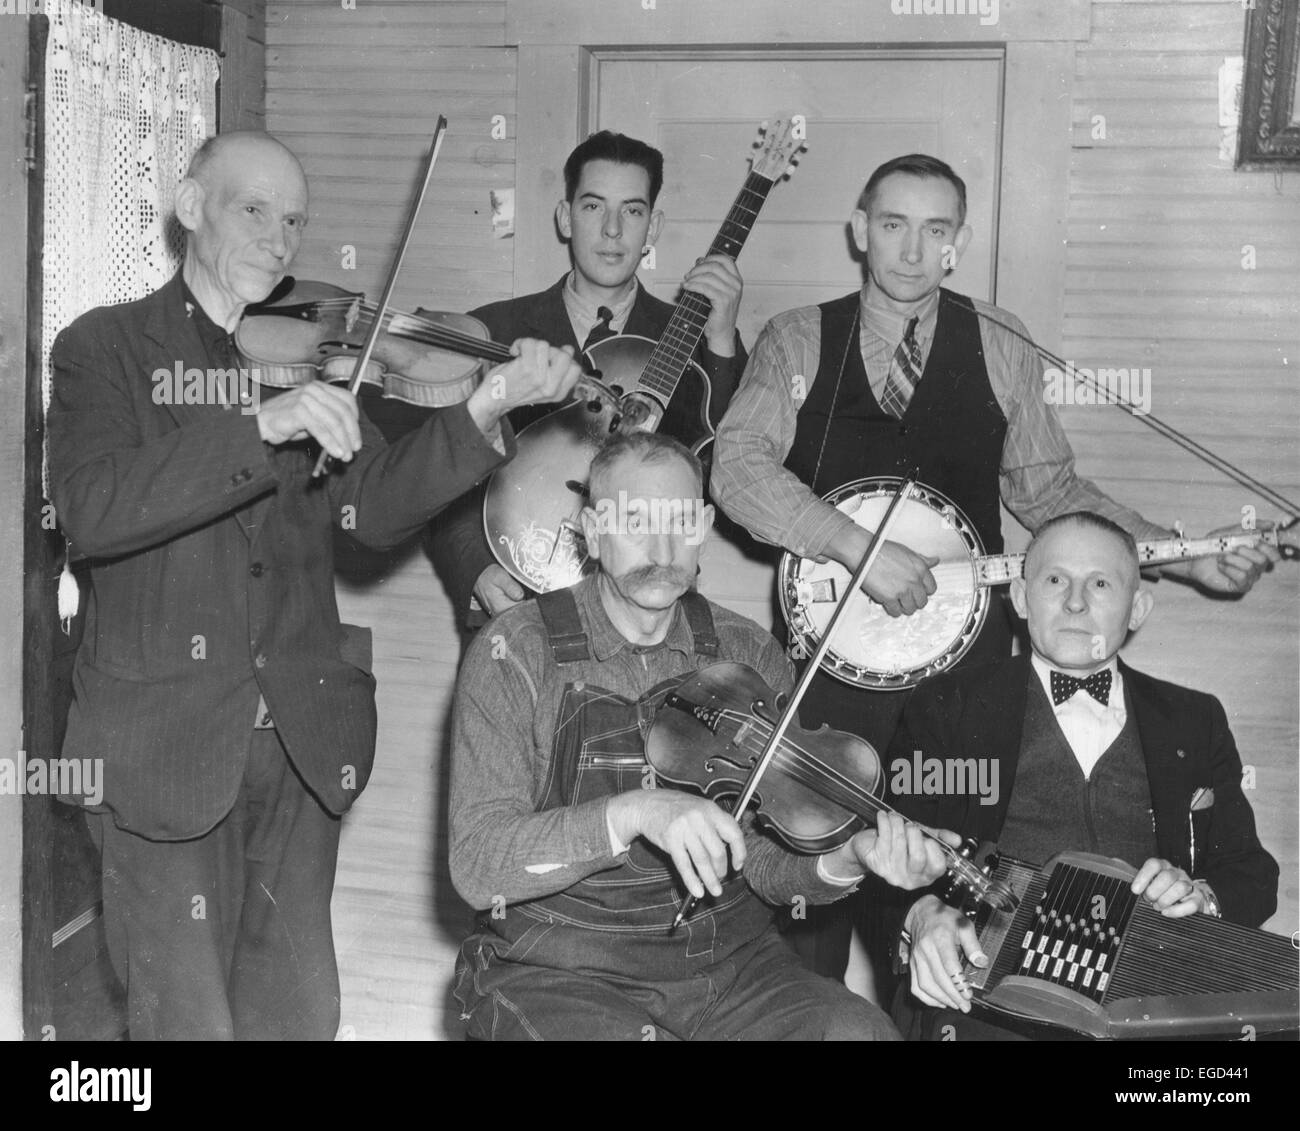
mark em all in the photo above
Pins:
pixel 616 922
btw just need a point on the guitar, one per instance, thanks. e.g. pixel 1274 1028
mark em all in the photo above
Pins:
pixel 882 653
pixel 531 507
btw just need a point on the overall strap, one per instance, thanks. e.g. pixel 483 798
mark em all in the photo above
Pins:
pixel 563 626
pixel 700 621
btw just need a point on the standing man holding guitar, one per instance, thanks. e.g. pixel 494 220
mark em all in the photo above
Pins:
pixel 905 377
pixel 608 216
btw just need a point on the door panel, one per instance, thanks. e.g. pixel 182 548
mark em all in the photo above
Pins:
pixel 702 110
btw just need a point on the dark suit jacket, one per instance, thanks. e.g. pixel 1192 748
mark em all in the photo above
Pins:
pixel 980 713
pixel 459 548
pixel 212 572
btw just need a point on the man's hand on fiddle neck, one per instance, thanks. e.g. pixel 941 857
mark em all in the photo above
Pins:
pixel 896 850
pixel 539 374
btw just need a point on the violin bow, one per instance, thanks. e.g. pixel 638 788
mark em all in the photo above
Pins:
pixel 376 326
pixel 876 544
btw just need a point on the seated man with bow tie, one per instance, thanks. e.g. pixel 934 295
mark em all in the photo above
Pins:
pixel 1091 755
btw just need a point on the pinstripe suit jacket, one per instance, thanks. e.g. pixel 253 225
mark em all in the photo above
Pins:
pixel 211 566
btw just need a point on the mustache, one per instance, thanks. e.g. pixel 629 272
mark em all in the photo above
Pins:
pixel 658 575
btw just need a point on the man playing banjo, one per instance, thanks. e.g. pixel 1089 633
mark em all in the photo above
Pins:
pixel 906 377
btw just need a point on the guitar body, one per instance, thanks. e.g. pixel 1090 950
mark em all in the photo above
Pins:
pixel 532 506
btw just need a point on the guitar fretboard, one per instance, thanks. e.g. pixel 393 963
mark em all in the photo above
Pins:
pixel 999 569
pixel 673 353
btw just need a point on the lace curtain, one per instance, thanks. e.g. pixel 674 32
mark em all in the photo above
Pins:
pixel 124 112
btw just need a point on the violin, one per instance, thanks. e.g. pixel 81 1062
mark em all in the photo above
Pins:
pixel 820 787
pixel 307 330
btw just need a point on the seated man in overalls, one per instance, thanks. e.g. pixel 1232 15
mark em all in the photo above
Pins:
pixel 577 868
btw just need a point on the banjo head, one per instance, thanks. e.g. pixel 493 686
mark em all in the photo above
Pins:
pixel 871 649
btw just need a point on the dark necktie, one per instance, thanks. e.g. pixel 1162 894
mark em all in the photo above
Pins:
pixel 904 373
pixel 601 330
pixel 1097 685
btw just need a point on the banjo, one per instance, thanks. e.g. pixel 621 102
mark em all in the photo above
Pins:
pixel 882 653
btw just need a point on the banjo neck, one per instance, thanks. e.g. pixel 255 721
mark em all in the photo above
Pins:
pixel 999 569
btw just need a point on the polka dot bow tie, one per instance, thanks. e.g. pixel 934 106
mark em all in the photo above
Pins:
pixel 1097 685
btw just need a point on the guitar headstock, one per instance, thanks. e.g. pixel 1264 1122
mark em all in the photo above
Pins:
pixel 779 143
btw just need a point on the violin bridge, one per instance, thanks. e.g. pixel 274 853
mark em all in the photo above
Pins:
pixel 741 731
pixel 354 312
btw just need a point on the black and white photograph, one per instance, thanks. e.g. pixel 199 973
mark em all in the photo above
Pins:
pixel 652 520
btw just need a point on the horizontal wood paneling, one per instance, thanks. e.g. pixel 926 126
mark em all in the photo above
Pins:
pixel 355 94
pixel 1156 228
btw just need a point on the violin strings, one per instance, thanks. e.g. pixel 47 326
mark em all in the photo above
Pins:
pixel 1156 424
pixel 426 331
pixel 797 754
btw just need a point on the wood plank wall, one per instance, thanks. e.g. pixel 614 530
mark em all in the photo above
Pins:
pixel 355 94
pixel 1158 230
pixel 243 65
pixel 1156 226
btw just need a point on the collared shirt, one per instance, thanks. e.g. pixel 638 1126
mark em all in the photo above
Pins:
pixel 504 719
pixel 882 329
pixel 1037 477
pixel 584 314
pixel 1089 727
pixel 217 342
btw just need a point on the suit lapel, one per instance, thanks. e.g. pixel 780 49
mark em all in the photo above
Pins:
pixel 1166 751
pixel 172 341
pixel 546 318
pixel 997 717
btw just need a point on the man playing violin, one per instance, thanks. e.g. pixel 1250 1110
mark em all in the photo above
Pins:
pixel 906 377
pixel 234 716
pixel 608 217
pixel 575 862
pixel 1091 755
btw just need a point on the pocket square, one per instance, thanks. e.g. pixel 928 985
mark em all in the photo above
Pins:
pixel 1203 798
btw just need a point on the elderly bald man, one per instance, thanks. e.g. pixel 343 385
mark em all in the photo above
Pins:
pixel 234 715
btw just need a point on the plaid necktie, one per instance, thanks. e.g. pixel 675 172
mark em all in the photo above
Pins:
pixel 904 373
pixel 1097 685
pixel 601 330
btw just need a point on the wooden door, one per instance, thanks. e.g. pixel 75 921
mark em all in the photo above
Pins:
pixel 702 108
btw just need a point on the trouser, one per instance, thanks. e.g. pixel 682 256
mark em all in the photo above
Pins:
pixel 760 992
pixel 228 935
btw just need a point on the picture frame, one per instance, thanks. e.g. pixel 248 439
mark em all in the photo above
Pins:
pixel 1269 134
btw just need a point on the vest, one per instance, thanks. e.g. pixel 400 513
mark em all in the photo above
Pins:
pixel 616 922
pixel 1053 808
pixel 950 436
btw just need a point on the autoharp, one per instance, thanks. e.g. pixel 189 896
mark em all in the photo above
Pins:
pixel 1083 953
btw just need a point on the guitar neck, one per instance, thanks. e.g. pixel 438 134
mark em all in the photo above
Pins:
pixel 999 569
pixel 677 344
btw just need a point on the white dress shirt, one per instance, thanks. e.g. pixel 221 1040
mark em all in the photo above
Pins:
pixel 1089 727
